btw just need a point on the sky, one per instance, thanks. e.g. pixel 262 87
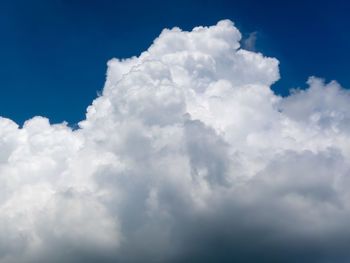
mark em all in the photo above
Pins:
pixel 54 53
pixel 182 141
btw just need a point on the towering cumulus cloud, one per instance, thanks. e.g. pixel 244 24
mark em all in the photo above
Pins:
pixel 187 156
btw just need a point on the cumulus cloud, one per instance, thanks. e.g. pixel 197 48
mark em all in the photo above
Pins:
pixel 187 156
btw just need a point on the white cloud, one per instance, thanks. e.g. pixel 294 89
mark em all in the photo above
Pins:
pixel 187 155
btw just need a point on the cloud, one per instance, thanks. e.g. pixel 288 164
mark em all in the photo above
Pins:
pixel 249 42
pixel 187 156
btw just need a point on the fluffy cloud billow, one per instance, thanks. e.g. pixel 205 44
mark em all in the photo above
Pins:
pixel 187 156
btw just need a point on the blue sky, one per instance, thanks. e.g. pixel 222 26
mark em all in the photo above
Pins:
pixel 54 53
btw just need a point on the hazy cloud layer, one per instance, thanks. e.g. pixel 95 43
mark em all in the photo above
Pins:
pixel 187 156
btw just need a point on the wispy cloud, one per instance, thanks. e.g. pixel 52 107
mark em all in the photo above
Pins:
pixel 249 42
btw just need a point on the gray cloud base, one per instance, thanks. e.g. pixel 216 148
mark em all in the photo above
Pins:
pixel 187 156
